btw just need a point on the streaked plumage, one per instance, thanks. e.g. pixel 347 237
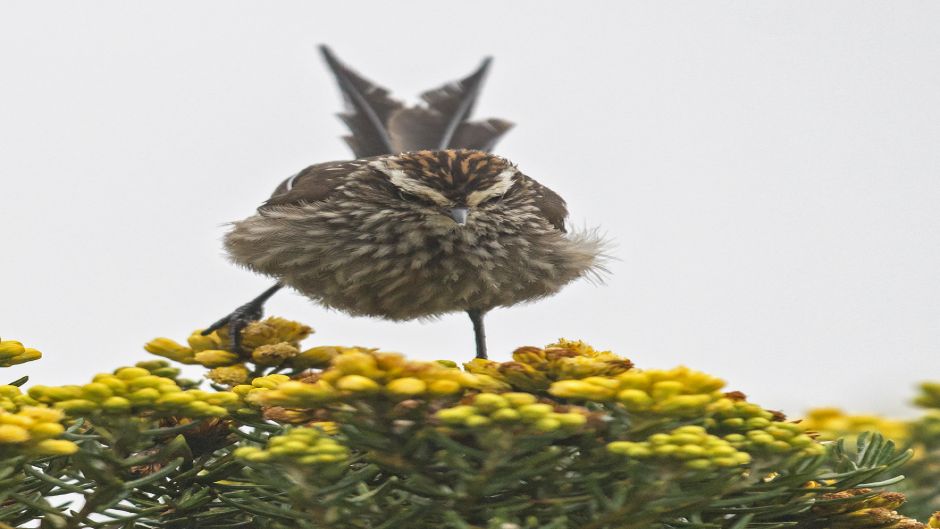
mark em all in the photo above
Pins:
pixel 373 237
pixel 442 226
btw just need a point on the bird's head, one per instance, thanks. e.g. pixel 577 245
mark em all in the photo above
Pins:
pixel 456 184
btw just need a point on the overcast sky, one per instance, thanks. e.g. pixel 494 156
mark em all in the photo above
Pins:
pixel 769 172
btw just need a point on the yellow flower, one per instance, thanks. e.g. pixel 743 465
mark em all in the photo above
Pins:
pixel 273 354
pixel 229 375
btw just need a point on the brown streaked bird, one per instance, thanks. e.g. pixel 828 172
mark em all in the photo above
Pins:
pixel 441 227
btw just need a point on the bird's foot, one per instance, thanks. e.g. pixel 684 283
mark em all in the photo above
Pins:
pixel 237 321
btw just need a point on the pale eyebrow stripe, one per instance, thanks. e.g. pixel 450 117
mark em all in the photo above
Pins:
pixel 400 180
pixel 502 185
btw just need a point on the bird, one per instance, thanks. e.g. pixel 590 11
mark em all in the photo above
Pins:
pixel 425 221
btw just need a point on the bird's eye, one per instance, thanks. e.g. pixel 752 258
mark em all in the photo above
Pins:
pixel 411 197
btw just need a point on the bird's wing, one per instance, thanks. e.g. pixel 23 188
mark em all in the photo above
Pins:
pixel 551 205
pixel 313 184
pixel 368 109
pixel 442 122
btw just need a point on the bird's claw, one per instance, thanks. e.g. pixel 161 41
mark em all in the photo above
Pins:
pixel 236 322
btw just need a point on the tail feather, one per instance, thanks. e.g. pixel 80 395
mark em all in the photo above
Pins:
pixel 368 109
pixel 382 125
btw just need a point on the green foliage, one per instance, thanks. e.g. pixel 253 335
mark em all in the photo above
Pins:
pixel 330 437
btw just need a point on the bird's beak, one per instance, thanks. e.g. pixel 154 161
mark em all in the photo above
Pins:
pixel 458 214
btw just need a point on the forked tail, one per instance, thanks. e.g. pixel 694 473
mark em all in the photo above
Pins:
pixel 379 124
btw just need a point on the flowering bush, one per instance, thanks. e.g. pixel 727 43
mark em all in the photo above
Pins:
pixel 562 436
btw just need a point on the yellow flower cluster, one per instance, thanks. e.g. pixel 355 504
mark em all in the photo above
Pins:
pixel 270 342
pixel 737 415
pixel 512 409
pixel 693 446
pixel 777 438
pixel 355 372
pixel 32 430
pixel 304 446
pixel 534 369
pixel 12 399
pixel 149 387
pixel 833 423
pixel 838 510
pixel 677 392
pixel 13 353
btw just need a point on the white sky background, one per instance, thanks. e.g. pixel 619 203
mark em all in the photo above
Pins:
pixel 768 171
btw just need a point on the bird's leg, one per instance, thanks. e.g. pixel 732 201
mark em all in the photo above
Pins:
pixel 476 316
pixel 242 316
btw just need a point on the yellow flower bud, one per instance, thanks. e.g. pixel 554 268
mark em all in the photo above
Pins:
pixel 10 349
pixel 16 420
pixel 665 389
pixel 548 424
pixel 144 396
pixel 57 393
pixel 476 421
pixel 130 373
pixel 10 434
pixel 757 422
pixel 222 398
pixel 455 415
pixel 269 381
pixel 56 447
pixel 198 342
pixel 76 406
pixel 174 400
pixel 683 403
pixel 579 389
pixel 96 391
pixel 46 430
pixel 406 387
pixel 635 399
pixel 355 364
pixel 242 389
pixel 117 385
pixel 42 414
pixel 505 415
pixel 357 384
pixel 534 412
pixel 28 355
pixel 571 420
pixel 215 358
pixel 517 399
pixel 489 402
pixel 444 387
pixel 698 464
pixel 148 381
pixel 634 380
pixel 316 357
pixel 167 348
